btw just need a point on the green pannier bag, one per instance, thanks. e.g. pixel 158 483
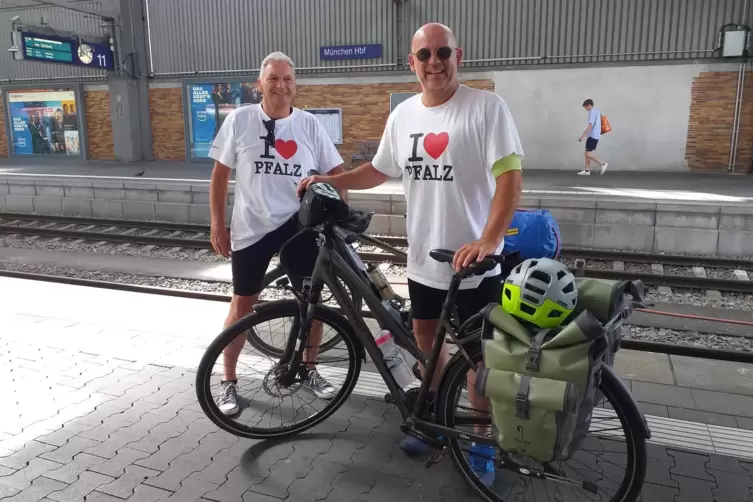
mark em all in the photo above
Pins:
pixel 543 385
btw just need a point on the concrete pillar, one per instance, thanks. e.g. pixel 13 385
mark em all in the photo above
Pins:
pixel 129 91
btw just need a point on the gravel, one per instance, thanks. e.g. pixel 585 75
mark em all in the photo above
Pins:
pixel 638 268
pixel 112 248
pixel 690 338
pixel 683 271
pixel 720 273
pixel 736 301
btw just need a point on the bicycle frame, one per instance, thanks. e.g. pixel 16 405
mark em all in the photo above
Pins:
pixel 330 267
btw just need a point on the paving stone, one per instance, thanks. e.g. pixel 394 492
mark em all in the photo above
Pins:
pixel 745 423
pixel 65 453
pixel 173 406
pixel 144 493
pixel 733 485
pixel 385 488
pixel 317 484
pixel 86 483
pixel 450 494
pixel 144 424
pixel 399 464
pixel 96 496
pixel 167 452
pixel 39 489
pixel 69 472
pixel 726 464
pixel 658 452
pixel 123 486
pixel 658 493
pixel 118 421
pixel 658 473
pixel 373 410
pixel 689 465
pixel 355 481
pixel 7 491
pixel 115 466
pixel 722 402
pixel 379 446
pixel 62 435
pixel 282 475
pixel 6 471
pixel 222 464
pixel 656 410
pixel 238 482
pixel 177 472
pixel 22 478
pixel 104 410
pixel 694 490
pixel 21 458
pixel 421 490
pixel 110 448
pixel 192 490
pixel 666 395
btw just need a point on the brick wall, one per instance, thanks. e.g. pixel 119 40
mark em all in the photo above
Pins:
pixel 365 107
pixel 168 135
pixel 99 125
pixel 710 123
pixel 3 135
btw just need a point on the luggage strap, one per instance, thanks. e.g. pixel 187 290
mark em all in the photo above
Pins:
pixel 522 405
pixel 534 353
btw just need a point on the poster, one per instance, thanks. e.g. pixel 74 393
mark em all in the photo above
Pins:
pixel 210 104
pixel 44 122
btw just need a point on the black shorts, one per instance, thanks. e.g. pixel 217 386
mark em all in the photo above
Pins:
pixel 591 144
pixel 249 265
pixel 426 302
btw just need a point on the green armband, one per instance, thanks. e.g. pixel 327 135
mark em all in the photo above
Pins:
pixel 509 163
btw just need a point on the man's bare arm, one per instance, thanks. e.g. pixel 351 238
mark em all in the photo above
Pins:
pixel 217 206
pixel 504 203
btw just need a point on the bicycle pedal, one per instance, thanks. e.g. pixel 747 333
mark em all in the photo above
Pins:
pixel 436 457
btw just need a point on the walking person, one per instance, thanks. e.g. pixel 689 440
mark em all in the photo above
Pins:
pixel 459 155
pixel 593 133
pixel 270 145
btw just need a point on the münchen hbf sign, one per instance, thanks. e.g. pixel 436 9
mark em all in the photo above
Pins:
pixel 339 52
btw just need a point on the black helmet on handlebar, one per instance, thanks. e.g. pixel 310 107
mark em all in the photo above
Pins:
pixel 321 203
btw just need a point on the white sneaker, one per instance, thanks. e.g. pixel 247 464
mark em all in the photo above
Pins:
pixel 584 173
pixel 228 399
pixel 604 167
pixel 319 385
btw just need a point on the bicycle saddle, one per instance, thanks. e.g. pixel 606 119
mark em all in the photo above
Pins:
pixel 480 268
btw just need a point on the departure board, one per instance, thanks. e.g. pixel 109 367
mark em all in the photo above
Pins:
pixel 69 51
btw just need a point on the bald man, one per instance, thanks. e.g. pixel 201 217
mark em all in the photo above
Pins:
pixel 458 151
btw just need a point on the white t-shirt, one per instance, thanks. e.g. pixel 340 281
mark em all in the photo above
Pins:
pixel 445 154
pixel 267 177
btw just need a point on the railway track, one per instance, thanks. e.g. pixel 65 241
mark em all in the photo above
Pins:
pixel 626 343
pixel 190 236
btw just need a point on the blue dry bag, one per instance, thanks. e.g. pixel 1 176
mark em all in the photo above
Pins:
pixel 535 233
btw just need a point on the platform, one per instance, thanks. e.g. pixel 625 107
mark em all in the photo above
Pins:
pixel 97 401
pixel 650 212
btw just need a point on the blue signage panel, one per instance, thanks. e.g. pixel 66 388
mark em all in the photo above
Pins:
pixel 339 52
pixel 68 51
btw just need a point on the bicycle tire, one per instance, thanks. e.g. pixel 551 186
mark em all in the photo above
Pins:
pixel 267 312
pixel 631 485
pixel 272 351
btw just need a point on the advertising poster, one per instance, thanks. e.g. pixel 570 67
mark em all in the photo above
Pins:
pixel 44 122
pixel 210 104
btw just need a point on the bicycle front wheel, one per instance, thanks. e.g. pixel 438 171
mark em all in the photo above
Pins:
pixel 611 459
pixel 273 346
pixel 264 408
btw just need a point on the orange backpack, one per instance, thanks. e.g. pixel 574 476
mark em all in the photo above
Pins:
pixel 605 126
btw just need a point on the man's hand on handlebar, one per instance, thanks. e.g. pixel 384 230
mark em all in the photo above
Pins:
pixel 305 182
pixel 477 250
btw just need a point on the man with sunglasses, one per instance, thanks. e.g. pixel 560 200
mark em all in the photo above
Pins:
pixel 458 151
pixel 271 146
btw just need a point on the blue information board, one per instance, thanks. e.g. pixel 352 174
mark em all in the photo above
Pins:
pixel 69 51
pixel 340 52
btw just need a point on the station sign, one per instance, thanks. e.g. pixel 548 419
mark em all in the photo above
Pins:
pixel 72 51
pixel 341 52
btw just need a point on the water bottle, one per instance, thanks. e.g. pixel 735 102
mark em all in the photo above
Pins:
pixel 381 284
pixel 395 358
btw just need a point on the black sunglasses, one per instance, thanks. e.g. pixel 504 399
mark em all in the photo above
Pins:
pixel 443 53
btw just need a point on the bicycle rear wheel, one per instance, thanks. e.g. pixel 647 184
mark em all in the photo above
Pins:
pixel 270 410
pixel 612 457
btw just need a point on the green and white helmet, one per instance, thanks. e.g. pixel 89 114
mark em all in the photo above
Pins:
pixel 541 291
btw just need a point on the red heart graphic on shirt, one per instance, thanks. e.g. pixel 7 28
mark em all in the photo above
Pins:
pixel 435 144
pixel 286 148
